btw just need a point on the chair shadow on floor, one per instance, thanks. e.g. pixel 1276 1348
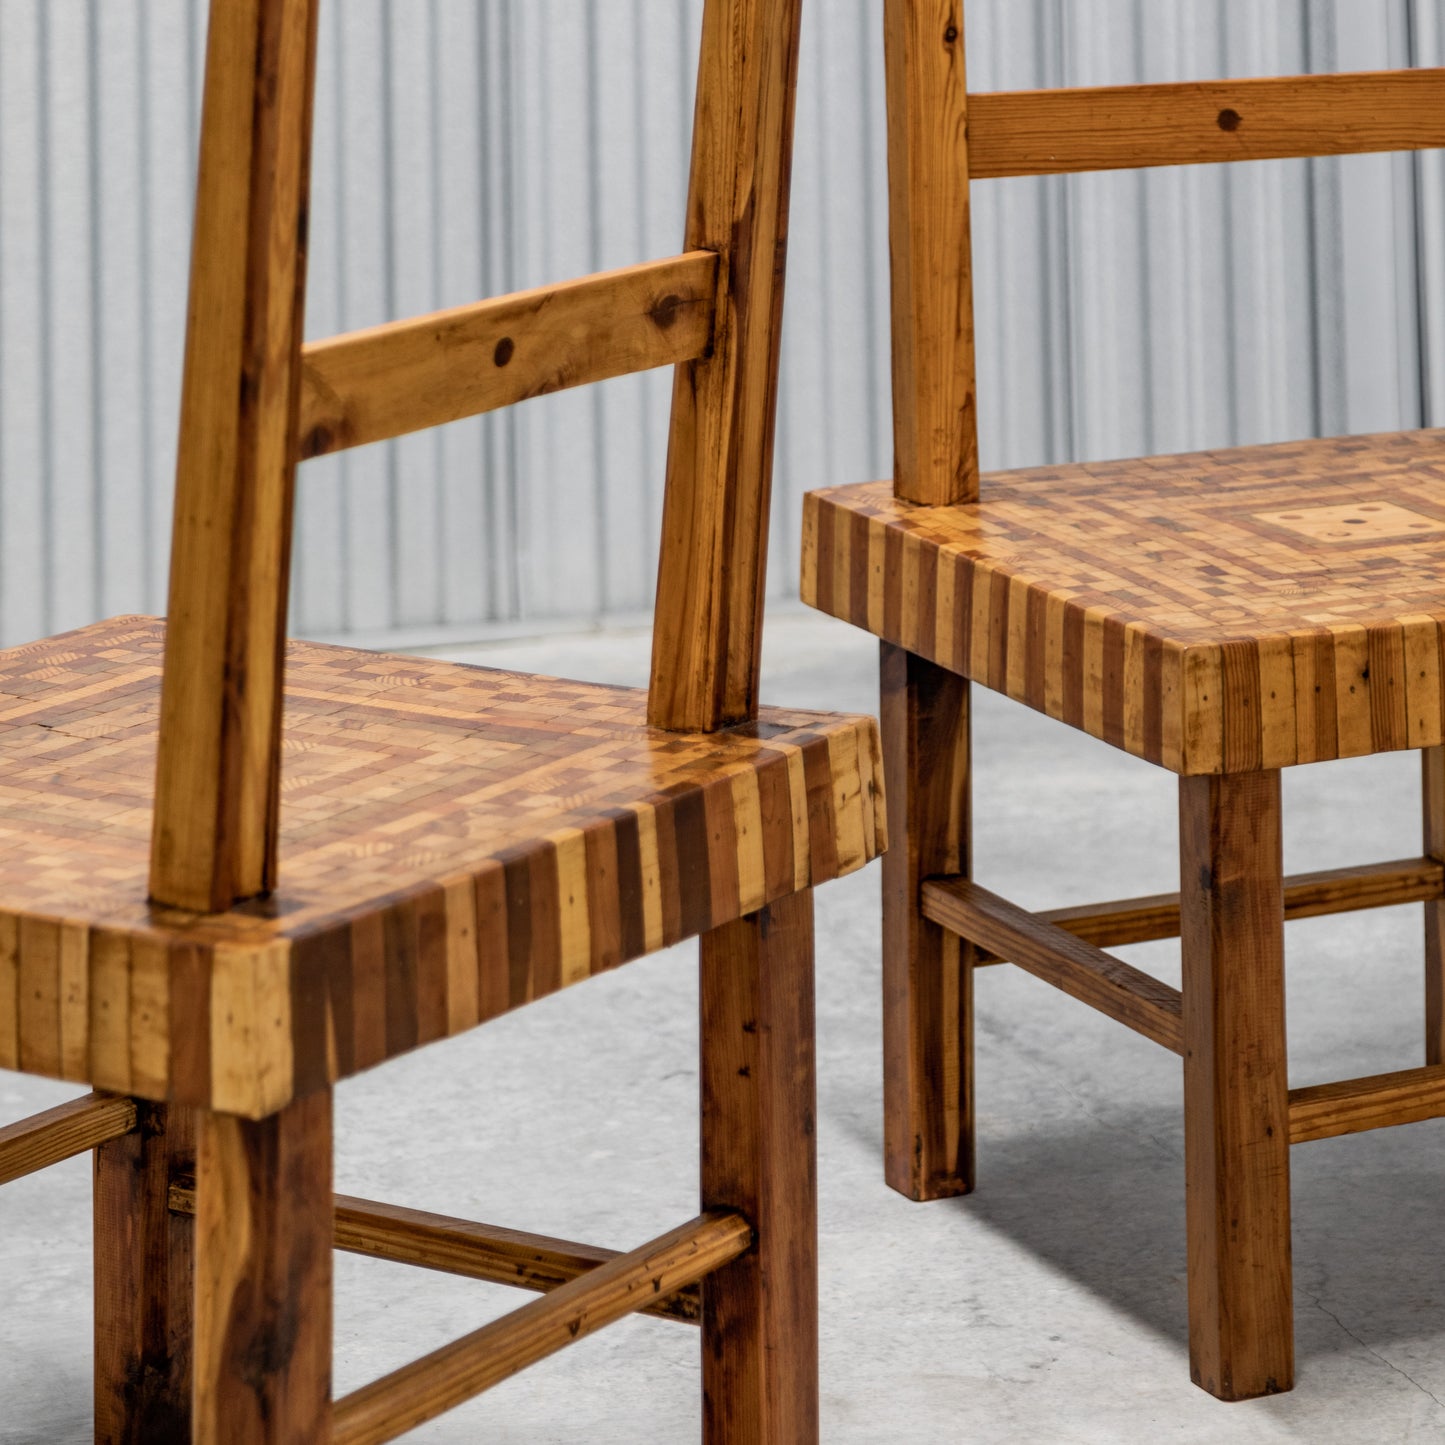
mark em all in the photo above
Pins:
pixel 1104 1205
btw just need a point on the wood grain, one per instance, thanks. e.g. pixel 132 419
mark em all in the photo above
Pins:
pixel 263 1277
pixel 1058 957
pixel 1381 1101
pixel 218 768
pixel 1432 777
pixel 438 1382
pixel 1236 1101
pixel 935 414
pixel 63 1132
pixel 1306 895
pixel 384 382
pixel 144 1283
pixel 1192 610
pixel 707 629
pixel 759 1157
pixel 457 843
pixel 460 1246
pixel 928 1107
pixel 1046 132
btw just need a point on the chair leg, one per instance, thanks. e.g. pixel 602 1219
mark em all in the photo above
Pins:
pixel 927 977
pixel 1433 771
pixel 263 1277
pixel 760 1313
pixel 1236 1089
pixel 143 1283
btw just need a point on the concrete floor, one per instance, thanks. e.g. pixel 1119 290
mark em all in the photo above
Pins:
pixel 1047 1307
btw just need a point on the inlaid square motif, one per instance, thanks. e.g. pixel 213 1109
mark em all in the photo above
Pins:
pixel 1369 521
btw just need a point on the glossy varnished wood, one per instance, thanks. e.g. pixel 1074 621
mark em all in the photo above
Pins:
pixel 1046 132
pixel 759 1157
pixel 466 1367
pixel 935 420
pixel 1059 957
pixel 928 1118
pixel 1236 1090
pixel 218 770
pixel 144 1283
pixel 63 1132
pixel 263 1277
pixel 1214 612
pixel 463 1247
pixel 410 375
pixel 707 629
pixel 457 842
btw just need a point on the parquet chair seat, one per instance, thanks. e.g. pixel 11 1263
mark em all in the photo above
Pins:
pixel 455 842
pixel 234 872
pixel 1223 615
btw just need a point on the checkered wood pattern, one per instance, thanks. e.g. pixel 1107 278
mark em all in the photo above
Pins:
pixel 455 841
pixel 1215 612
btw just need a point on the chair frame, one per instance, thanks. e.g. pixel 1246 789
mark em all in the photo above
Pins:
pixel 214 1233
pixel 1233 900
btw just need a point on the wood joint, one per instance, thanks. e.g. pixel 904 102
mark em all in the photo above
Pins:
pixel 1306 895
pixel 447 1377
pixel 475 1251
pixel 1057 956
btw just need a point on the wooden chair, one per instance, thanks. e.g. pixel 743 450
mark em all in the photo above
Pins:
pixel 1223 615
pixel 454 841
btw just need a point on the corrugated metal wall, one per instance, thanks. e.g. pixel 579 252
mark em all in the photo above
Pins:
pixel 468 147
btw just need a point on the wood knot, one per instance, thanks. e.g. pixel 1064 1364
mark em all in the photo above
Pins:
pixel 503 353
pixel 950 34
pixel 664 311
pixel 1229 119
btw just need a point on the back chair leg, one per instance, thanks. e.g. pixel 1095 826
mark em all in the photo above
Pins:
pixel 143 1283
pixel 927 976
pixel 759 1156
pixel 1236 1091
pixel 263 1277
pixel 1433 777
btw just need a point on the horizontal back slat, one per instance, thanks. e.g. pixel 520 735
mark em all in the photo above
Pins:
pixel 1048 132
pixel 387 381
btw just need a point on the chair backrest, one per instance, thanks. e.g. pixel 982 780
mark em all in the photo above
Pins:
pixel 255 401
pixel 940 138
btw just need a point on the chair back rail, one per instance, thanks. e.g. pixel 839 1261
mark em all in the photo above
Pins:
pixel 255 401
pixel 940 137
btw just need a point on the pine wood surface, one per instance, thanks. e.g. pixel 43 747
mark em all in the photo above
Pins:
pixel 369 385
pixel 1048 132
pixel 928 1055
pixel 461 1246
pixel 935 427
pixel 457 841
pixel 1058 957
pixel 60 1133
pixel 1236 1088
pixel 1351 1106
pixel 218 774
pixel 438 1382
pixel 1214 612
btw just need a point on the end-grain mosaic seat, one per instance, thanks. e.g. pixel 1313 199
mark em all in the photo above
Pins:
pixel 415 847
pixel 1223 615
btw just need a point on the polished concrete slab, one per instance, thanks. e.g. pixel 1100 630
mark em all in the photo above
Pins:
pixel 1046 1307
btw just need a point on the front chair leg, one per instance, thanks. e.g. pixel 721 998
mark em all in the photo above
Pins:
pixel 1236 1091
pixel 760 1313
pixel 143 1282
pixel 928 1112
pixel 263 1277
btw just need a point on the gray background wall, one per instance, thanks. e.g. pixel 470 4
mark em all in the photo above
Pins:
pixel 468 147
